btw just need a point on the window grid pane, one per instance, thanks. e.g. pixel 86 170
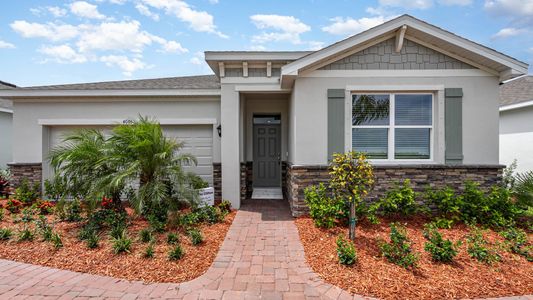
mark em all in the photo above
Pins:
pixel 370 110
pixel 413 109
pixel 412 143
pixel 372 141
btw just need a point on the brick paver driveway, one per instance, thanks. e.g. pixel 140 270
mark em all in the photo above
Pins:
pixel 261 258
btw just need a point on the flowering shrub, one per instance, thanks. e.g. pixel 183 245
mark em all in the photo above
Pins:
pixel 107 203
pixel 45 207
pixel 14 205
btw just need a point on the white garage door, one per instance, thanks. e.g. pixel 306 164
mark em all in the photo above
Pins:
pixel 198 141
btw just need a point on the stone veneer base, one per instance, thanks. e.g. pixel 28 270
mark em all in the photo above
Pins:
pixel 386 176
pixel 33 172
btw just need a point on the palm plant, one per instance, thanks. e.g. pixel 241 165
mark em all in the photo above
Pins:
pixel 80 165
pixel 141 153
pixel 523 189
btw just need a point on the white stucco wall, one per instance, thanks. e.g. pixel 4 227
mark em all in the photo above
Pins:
pixel 6 138
pixel 516 138
pixel 28 146
pixel 480 114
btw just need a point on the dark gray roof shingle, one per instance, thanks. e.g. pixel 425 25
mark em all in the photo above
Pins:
pixel 517 90
pixel 186 82
pixel 6 85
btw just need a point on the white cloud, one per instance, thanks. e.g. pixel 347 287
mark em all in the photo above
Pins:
pixel 407 4
pixel 349 26
pixel 197 59
pixel 63 54
pixel 169 46
pixel 455 2
pixel 127 65
pixel 124 36
pixel 200 21
pixel 119 2
pixel 85 10
pixel 57 11
pixel 51 31
pixel 213 1
pixel 508 32
pixel 315 45
pixel 511 8
pixel 285 28
pixel 6 45
pixel 145 11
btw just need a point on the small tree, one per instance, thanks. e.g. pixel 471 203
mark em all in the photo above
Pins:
pixel 352 177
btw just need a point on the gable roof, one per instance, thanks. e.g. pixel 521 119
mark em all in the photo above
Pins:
pixel 420 32
pixel 185 82
pixel 203 85
pixel 6 85
pixel 517 93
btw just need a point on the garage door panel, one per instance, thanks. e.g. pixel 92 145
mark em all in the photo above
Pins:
pixel 197 139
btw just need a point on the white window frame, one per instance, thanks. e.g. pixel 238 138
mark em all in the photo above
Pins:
pixel 392 126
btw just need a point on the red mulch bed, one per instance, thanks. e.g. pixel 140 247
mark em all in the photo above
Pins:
pixel 374 276
pixel 75 256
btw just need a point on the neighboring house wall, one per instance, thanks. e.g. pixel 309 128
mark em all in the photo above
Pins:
pixel 6 138
pixel 516 138
pixel 480 115
pixel 384 57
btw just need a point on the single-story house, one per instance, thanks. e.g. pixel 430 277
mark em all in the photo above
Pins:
pixel 516 123
pixel 6 126
pixel 422 102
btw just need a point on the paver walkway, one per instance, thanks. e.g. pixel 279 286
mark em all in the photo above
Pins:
pixel 261 258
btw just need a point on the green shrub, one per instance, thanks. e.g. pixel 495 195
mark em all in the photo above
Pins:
pixel 197 182
pixel 5 234
pixel 25 235
pixel 225 206
pixel 87 231
pixel 156 223
pixel 145 235
pixel 399 250
pixel 122 243
pixel 117 230
pixel 149 251
pixel 518 242
pixel 196 236
pixel 400 200
pixel 346 251
pixel 56 240
pixel 441 249
pixel 25 193
pixel 14 205
pixel 27 215
pixel 443 223
pixel 208 214
pixel 324 209
pixel 92 240
pixel 69 211
pixel 1 214
pixel 448 204
pixel 495 209
pixel 479 249
pixel 176 253
pixel 173 238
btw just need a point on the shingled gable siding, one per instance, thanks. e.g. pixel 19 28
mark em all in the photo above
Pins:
pixel 383 57
pixel 421 176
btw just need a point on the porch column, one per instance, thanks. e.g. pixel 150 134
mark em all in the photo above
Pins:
pixel 230 149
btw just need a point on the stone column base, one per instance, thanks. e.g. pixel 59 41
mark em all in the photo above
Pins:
pixel 33 172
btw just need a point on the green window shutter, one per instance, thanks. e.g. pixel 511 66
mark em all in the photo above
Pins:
pixel 454 126
pixel 335 121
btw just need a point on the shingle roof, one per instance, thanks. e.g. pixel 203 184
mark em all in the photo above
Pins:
pixel 6 85
pixel 186 82
pixel 517 90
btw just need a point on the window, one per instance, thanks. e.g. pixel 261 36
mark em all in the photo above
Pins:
pixel 393 126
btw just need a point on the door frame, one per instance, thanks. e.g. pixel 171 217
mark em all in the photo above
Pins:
pixel 280 133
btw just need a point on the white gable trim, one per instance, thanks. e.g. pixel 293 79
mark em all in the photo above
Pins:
pixel 6 110
pixel 338 49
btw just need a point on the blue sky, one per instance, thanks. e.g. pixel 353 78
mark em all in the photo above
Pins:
pixel 54 42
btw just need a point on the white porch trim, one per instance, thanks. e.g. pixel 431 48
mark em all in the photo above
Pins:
pixel 6 110
pixel 87 122
pixel 394 88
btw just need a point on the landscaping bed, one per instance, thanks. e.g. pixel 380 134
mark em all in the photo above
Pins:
pixel 373 275
pixel 75 255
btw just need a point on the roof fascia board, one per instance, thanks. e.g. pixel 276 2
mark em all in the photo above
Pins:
pixel 23 93
pixel 65 122
pixel 260 56
pixel 516 106
pixel 6 110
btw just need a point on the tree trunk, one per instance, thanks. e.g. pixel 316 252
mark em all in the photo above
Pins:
pixel 353 221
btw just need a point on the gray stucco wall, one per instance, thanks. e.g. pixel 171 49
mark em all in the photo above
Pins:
pixel 480 114
pixel 29 148
pixel 383 57
pixel 6 138
pixel 516 138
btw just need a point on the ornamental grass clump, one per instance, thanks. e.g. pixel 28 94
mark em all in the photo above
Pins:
pixel 26 234
pixel 145 235
pixel 352 178
pixel 5 234
pixel 56 240
pixel 346 251
pixel 122 243
pixel 92 240
pixel 173 238
pixel 149 251
pixel 399 250
pixel 196 236
pixel 176 253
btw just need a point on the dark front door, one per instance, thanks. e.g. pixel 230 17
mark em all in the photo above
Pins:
pixel 267 155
